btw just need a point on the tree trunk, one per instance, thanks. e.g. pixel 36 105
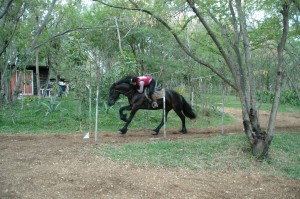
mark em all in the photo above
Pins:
pixel 280 49
pixel 20 82
pixel 3 85
pixel 119 37
pixel 251 121
pixel 37 70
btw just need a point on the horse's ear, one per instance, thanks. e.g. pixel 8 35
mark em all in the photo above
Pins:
pixel 112 86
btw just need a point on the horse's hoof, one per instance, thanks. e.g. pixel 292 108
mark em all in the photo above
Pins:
pixel 124 118
pixel 123 131
pixel 183 131
pixel 155 132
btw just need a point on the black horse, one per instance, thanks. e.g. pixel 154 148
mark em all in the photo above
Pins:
pixel 137 101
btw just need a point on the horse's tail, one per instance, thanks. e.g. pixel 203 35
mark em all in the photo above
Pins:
pixel 187 109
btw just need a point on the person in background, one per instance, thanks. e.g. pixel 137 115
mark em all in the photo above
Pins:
pixel 62 87
pixel 145 81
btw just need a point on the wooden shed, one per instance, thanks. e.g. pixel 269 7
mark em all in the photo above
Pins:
pixel 30 86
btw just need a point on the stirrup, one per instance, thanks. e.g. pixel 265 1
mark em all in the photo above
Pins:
pixel 154 105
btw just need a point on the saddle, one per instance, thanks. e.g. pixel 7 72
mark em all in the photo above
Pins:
pixel 158 92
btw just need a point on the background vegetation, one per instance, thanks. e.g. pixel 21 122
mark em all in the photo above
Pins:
pixel 59 115
pixel 92 45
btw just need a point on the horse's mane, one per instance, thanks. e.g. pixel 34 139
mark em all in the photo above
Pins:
pixel 124 80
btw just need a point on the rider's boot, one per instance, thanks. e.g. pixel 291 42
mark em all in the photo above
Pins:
pixel 154 101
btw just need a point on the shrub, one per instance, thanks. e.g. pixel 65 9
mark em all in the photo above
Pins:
pixel 287 97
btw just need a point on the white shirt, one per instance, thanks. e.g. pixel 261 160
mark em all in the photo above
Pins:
pixel 141 87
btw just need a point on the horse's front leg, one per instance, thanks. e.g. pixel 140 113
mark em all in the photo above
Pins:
pixel 125 127
pixel 122 115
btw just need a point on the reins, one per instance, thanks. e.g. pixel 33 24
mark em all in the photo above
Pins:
pixel 124 93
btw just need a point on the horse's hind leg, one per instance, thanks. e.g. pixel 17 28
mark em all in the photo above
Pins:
pixel 182 117
pixel 156 130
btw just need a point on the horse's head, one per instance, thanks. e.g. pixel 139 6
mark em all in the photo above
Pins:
pixel 116 89
pixel 113 95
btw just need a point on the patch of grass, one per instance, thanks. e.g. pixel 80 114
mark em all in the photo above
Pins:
pixel 285 154
pixel 223 153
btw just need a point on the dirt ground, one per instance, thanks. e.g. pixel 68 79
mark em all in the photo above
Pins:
pixel 62 166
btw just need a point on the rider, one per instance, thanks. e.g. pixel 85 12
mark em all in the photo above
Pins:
pixel 145 81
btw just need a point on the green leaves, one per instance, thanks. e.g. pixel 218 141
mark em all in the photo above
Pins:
pixel 51 106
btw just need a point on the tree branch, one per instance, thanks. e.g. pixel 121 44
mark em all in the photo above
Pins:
pixel 6 9
pixel 285 29
pixel 17 18
pixel 43 25
pixel 236 34
pixel 211 34
pixel 68 31
pixel 183 47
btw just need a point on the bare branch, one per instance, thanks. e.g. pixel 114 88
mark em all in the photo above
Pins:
pixel 236 34
pixel 215 40
pixel 6 9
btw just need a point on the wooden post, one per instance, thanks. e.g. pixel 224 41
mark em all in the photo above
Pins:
pixel 96 122
pixel 90 100
pixel 223 101
pixel 164 98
